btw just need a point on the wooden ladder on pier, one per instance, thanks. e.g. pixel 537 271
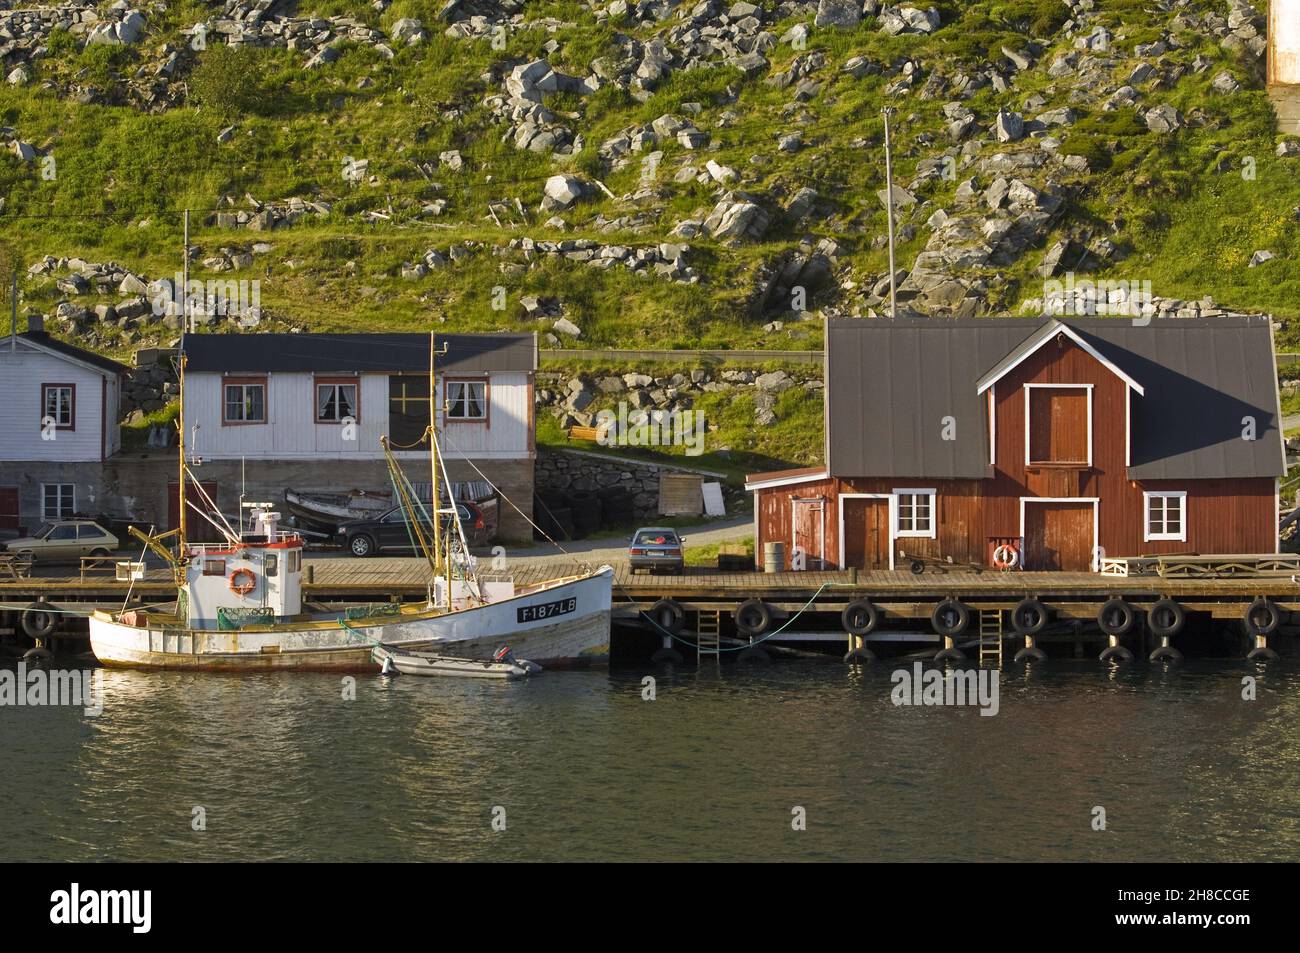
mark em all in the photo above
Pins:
pixel 991 636
pixel 708 634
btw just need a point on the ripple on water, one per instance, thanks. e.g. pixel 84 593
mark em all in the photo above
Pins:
pixel 285 769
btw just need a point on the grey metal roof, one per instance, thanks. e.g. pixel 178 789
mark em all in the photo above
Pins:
pixel 892 384
pixel 348 353
pixel 43 339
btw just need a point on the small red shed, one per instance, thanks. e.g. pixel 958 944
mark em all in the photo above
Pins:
pixel 1064 440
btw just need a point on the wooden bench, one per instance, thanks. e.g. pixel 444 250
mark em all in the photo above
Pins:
pixel 590 434
pixel 97 564
pixel 15 566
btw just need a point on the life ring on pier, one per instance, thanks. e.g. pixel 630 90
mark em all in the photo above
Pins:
pixel 1006 557
pixel 242 582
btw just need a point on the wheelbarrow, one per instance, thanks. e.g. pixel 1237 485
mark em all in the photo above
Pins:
pixel 919 563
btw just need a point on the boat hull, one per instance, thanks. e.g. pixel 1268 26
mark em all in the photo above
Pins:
pixel 563 624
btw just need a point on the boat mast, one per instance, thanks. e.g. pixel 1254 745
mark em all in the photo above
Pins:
pixel 433 466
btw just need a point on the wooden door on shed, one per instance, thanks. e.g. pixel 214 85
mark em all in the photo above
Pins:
pixel 866 533
pixel 1058 535
pixel 808 516
pixel 8 507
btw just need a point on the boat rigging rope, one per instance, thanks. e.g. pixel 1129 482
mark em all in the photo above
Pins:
pixel 526 517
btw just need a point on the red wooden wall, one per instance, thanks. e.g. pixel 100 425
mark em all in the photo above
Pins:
pixel 1223 516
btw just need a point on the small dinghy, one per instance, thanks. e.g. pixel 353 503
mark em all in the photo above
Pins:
pixel 394 660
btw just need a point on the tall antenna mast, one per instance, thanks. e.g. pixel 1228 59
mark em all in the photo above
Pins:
pixel 180 378
pixel 433 466
pixel 889 207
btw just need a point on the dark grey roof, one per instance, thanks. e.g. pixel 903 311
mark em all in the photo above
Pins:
pixel 346 353
pixel 1202 377
pixel 71 350
pixel 891 385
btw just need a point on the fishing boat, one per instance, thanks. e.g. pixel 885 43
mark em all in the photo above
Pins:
pixel 394 660
pixel 239 601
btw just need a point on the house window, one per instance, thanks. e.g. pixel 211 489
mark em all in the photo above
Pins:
pixel 335 400
pixel 59 404
pixel 58 501
pixel 1058 425
pixel 245 402
pixel 467 400
pixel 915 513
pixel 1166 516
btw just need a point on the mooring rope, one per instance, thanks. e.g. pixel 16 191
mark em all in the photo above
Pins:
pixel 735 648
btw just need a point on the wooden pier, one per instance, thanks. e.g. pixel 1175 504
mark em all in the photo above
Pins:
pixel 902 598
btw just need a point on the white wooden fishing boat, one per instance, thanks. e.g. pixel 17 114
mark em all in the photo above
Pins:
pixel 239 602
pixel 328 510
pixel 393 660
pixel 241 608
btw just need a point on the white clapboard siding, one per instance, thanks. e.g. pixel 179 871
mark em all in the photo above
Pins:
pixel 291 430
pixel 22 372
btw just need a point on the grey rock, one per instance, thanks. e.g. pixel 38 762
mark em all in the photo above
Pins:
pixel 842 14
pixel 1163 118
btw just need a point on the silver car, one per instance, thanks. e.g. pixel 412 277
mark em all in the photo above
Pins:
pixel 65 540
pixel 656 548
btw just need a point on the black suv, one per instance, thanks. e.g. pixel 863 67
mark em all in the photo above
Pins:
pixel 391 534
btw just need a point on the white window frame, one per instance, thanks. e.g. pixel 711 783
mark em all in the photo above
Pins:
pixel 899 532
pixel 337 388
pixel 464 399
pixel 244 388
pixel 1147 497
pixel 1028 388
pixel 58 494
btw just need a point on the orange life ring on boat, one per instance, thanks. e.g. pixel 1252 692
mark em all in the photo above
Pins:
pixel 1005 557
pixel 242 588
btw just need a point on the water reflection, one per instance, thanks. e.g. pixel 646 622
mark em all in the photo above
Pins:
pixel 285 769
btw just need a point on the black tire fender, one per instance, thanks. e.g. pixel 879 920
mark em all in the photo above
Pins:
pixel 753 617
pixel 1116 617
pixel 668 615
pixel 860 617
pixel 1262 617
pixel 1029 617
pixel 950 617
pixel 1167 618
pixel 39 620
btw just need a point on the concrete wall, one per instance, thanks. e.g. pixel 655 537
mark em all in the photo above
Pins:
pixel 568 470
pixel 137 486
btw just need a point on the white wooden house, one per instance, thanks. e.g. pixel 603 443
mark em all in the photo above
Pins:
pixel 269 412
pixel 58 426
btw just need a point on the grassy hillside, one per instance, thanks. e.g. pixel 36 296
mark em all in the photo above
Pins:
pixel 1175 205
